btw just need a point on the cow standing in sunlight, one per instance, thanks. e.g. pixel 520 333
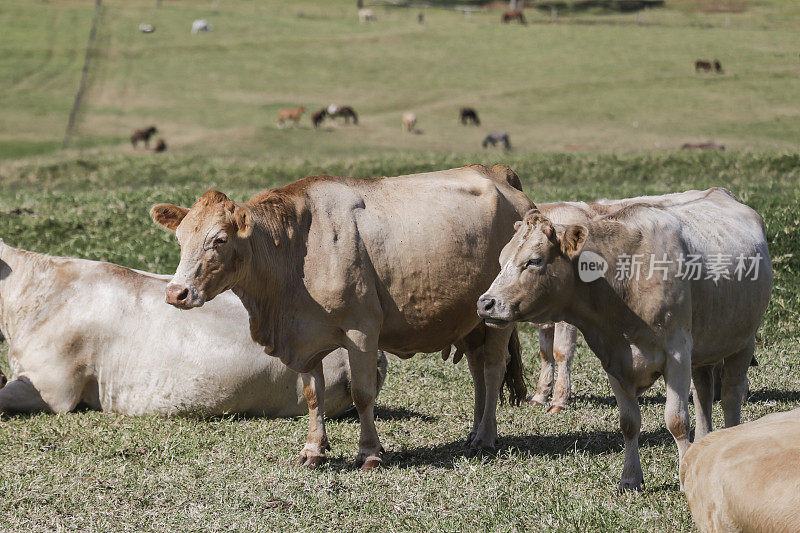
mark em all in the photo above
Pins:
pixel 670 320
pixel 390 263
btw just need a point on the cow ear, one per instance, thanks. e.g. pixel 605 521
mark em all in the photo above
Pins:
pixel 168 215
pixel 573 240
pixel 517 225
pixel 243 219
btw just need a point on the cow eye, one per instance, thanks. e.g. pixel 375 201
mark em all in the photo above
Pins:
pixel 534 262
pixel 219 241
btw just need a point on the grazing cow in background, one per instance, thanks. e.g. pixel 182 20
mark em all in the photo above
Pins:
pixel 201 25
pixel 143 135
pixel 700 303
pixel 708 145
pixel 318 117
pixel 290 114
pixel 161 146
pixel 702 65
pixel 345 111
pixel 497 137
pixel 102 336
pixel 467 115
pixel 366 15
pixel 409 121
pixel 718 67
pixel 389 263
pixel 746 478
pixel 510 15
pixel 146 28
pixel 421 18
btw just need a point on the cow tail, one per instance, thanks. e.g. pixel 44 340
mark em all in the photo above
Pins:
pixel 515 376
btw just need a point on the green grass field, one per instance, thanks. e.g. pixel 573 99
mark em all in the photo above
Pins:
pixel 625 95
pixel 553 472
pixel 588 82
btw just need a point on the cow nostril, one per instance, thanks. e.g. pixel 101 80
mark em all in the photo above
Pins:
pixel 488 304
pixel 183 295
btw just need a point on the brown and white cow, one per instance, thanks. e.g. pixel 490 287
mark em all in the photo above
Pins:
pixel 391 263
pixel 99 334
pixel 746 478
pixel 660 321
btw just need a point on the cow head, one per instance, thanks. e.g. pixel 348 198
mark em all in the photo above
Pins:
pixel 537 273
pixel 213 236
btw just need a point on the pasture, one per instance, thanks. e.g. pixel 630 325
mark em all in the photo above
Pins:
pixel 555 472
pixel 596 105
pixel 589 81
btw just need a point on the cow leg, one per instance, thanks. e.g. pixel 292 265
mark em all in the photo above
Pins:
pixel 475 361
pixel 566 337
pixel 703 380
pixel 20 396
pixel 630 423
pixel 495 360
pixel 677 375
pixel 364 371
pixel 547 373
pixel 734 383
pixel 314 451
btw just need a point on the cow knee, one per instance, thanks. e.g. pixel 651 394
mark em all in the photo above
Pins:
pixel 676 424
pixel 629 425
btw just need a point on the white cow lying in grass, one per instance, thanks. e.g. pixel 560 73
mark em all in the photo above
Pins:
pixel 686 307
pixel 746 478
pixel 100 334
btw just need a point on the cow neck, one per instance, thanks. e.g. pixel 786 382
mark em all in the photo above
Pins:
pixel 270 288
pixel 603 305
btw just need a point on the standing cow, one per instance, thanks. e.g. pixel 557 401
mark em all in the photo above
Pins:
pixel 99 334
pixel 699 302
pixel 391 263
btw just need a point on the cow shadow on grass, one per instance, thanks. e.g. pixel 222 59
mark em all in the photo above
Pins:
pixel 598 442
pixel 774 395
pixel 610 401
pixel 755 396
pixel 389 413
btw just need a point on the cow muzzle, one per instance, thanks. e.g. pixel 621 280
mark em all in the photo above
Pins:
pixel 184 297
pixel 494 311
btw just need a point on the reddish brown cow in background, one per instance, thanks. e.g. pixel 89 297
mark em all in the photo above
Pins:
pixel 143 135
pixel 290 114
pixel 508 16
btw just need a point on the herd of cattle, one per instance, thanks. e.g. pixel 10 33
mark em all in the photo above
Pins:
pixel 329 274
pixel 466 115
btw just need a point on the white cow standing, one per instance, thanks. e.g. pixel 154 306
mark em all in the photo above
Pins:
pixel 100 334
pixel 201 25
pixel 366 15
pixel 675 320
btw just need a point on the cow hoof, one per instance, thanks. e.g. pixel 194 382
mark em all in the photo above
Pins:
pixel 470 438
pixel 367 462
pixel 556 408
pixel 630 486
pixel 481 451
pixel 372 462
pixel 310 460
pixel 538 400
